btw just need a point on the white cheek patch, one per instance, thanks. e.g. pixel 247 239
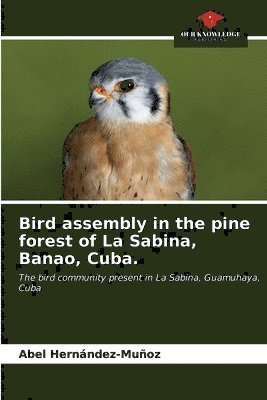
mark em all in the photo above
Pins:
pixel 110 111
pixel 137 103
pixel 134 106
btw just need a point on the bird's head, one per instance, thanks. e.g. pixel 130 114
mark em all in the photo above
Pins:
pixel 128 90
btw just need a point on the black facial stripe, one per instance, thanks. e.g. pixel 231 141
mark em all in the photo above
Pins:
pixel 155 100
pixel 124 107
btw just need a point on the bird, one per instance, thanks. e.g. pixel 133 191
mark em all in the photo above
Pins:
pixel 129 149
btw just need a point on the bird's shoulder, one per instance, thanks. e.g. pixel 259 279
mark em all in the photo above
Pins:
pixel 189 160
pixel 81 132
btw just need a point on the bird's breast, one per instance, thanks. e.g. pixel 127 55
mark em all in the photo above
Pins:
pixel 135 163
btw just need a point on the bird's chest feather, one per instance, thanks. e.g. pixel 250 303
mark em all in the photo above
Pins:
pixel 137 163
pixel 134 168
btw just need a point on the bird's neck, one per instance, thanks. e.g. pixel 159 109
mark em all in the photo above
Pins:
pixel 132 130
pixel 129 144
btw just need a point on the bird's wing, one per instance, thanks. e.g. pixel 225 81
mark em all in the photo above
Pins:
pixel 85 161
pixel 190 164
pixel 69 160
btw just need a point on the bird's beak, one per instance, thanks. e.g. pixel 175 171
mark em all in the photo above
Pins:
pixel 95 99
pixel 98 96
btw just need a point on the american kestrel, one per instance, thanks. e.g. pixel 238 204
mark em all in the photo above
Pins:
pixel 129 150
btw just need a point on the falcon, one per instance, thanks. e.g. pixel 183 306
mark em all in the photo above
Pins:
pixel 129 149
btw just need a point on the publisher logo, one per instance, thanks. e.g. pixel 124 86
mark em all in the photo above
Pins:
pixel 213 30
pixel 210 19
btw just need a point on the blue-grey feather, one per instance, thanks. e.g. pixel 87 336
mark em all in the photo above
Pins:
pixel 125 68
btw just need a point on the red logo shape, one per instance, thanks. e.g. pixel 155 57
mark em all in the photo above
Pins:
pixel 210 18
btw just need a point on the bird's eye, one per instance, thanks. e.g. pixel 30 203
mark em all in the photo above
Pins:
pixel 125 86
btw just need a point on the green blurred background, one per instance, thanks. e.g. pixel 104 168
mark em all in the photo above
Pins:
pixel 218 105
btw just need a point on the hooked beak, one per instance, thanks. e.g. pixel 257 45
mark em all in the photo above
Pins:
pixel 98 96
pixel 95 99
